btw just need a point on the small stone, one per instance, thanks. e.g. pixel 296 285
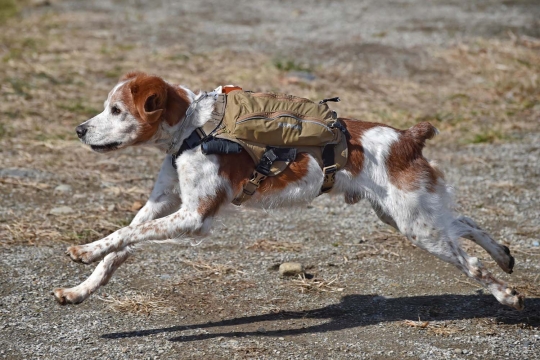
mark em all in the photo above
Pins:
pixel 458 351
pixel 536 243
pixel 111 208
pixel 261 330
pixel 281 338
pixel 291 269
pixel 62 210
pixel 136 206
pixel 63 188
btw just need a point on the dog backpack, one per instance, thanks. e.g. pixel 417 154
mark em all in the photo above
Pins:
pixel 272 129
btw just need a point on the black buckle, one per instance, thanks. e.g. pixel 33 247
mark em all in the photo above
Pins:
pixel 266 162
pixel 337 125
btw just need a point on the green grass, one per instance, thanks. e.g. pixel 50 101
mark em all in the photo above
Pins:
pixel 8 9
pixel 487 137
pixel 78 107
pixel 290 65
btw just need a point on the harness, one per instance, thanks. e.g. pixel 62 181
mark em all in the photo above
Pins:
pixel 216 136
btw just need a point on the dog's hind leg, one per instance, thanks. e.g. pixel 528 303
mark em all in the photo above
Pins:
pixel 439 241
pixel 163 201
pixel 468 229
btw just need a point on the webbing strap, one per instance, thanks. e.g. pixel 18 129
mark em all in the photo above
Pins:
pixel 262 170
pixel 329 168
pixel 328 157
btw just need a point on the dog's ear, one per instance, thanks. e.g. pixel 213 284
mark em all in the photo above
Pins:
pixel 177 105
pixel 149 96
pixel 153 108
pixel 155 99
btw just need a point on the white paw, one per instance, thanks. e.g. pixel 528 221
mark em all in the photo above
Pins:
pixel 85 254
pixel 68 296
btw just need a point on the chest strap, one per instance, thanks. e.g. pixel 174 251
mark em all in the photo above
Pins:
pixel 200 134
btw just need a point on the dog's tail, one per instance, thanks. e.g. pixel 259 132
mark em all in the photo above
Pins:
pixel 421 132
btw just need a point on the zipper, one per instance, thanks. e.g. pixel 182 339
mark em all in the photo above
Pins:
pixel 282 97
pixel 259 117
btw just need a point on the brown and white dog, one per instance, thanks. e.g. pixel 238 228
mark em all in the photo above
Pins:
pixel 385 166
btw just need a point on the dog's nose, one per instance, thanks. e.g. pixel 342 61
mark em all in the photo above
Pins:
pixel 81 131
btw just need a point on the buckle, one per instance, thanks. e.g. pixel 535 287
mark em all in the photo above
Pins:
pixel 330 169
pixel 256 178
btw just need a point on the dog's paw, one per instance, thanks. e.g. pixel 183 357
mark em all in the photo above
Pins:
pixel 509 261
pixel 82 254
pixel 515 299
pixel 68 296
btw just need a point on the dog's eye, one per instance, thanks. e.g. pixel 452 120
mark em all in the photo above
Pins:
pixel 115 110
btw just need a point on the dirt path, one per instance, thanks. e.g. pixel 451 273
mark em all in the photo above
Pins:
pixel 472 70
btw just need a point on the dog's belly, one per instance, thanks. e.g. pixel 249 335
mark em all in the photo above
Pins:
pixel 301 191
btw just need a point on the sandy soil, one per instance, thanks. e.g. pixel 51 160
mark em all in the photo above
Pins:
pixel 471 69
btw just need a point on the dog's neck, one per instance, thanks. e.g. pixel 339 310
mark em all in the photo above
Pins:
pixel 169 138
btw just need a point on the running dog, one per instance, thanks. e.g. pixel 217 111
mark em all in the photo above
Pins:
pixel 385 166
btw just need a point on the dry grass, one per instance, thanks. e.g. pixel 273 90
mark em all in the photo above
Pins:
pixel 56 71
pixel 142 304
pixel 316 285
pixel 440 329
pixel 275 246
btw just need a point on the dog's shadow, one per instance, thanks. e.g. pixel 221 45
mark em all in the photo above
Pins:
pixel 363 310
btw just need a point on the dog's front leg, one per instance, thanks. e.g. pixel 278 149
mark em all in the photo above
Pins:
pixel 185 222
pixel 163 200
pixel 203 191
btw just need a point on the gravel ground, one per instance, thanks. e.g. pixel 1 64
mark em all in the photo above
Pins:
pixel 223 298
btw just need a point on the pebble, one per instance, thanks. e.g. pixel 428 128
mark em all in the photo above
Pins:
pixel 61 210
pixel 458 351
pixel 536 243
pixel 291 269
pixel 63 188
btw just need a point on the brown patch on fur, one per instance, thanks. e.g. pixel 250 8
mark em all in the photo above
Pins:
pixel 406 165
pixel 294 172
pixel 209 206
pixel 237 168
pixel 356 128
pixel 151 100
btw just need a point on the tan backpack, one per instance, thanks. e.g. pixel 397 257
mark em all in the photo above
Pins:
pixel 273 128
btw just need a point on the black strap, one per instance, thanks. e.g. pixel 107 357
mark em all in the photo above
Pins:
pixel 336 124
pixel 220 146
pixel 262 170
pixel 192 141
pixel 273 154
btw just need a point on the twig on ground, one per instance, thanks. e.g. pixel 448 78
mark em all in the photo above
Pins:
pixel 319 285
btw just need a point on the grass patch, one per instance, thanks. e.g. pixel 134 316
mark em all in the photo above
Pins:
pixel 290 65
pixel 114 73
pixel 78 107
pixel 487 137
pixel 8 9
pixel 20 87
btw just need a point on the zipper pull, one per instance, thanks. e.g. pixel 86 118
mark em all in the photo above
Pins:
pixel 334 99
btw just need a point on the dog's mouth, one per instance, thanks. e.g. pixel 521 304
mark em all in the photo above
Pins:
pixel 106 147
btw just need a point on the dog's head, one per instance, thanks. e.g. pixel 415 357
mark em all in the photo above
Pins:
pixel 133 112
